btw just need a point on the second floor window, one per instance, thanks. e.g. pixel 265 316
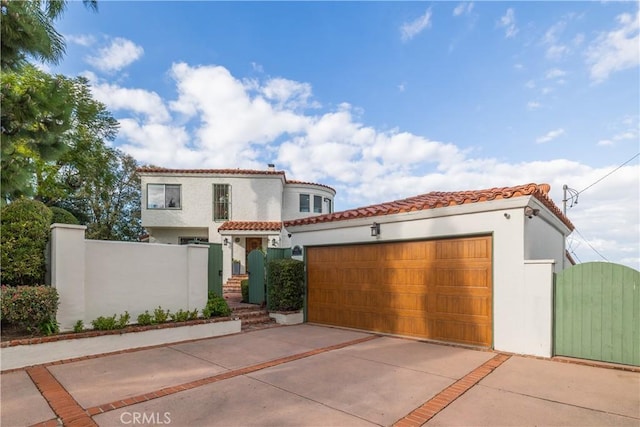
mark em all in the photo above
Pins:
pixel 317 204
pixel 221 202
pixel 164 196
pixel 304 203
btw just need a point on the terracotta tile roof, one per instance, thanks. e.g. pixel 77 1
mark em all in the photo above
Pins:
pixel 290 181
pixel 439 199
pixel 210 171
pixel 251 226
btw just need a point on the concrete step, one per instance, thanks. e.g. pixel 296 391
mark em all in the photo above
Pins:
pixel 252 317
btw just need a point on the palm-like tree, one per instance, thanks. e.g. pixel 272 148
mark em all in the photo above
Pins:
pixel 27 31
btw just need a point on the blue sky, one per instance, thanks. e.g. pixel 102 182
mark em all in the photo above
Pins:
pixel 383 100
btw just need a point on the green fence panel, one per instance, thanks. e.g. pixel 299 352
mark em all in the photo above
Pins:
pixel 215 268
pixel 597 313
pixel 256 277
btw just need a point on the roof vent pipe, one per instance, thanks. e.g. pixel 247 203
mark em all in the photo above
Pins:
pixel 271 167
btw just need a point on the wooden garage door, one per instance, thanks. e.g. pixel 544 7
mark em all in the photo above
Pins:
pixel 438 289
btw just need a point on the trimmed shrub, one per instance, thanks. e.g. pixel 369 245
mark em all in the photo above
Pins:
pixel 62 216
pixel 29 306
pixel 160 315
pixel 244 288
pixel 108 323
pixel 25 232
pixel 145 318
pixel 286 284
pixel 216 307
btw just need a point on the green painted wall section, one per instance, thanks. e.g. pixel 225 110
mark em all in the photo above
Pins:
pixel 597 313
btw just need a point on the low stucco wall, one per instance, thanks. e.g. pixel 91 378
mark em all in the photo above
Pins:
pixel 99 278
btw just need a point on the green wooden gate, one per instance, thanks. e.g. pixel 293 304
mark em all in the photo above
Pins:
pixel 256 277
pixel 597 313
pixel 215 268
pixel 278 253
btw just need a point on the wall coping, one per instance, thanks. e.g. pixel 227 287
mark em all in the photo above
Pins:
pixel 68 226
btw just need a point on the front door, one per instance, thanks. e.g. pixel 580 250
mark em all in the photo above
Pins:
pixel 252 244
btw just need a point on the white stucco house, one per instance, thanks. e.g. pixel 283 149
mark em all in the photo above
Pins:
pixel 241 209
pixel 471 267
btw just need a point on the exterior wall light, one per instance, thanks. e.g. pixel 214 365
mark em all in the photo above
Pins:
pixel 529 212
pixel 274 242
pixel 375 230
pixel 226 241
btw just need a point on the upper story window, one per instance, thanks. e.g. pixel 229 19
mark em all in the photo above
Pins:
pixel 317 204
pixel 329 205
pixel 164 196
pixel 304 203
pixel 221 202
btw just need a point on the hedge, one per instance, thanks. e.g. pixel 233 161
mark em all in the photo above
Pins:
pixel 25 232
pixel 29 306
pixel 286 284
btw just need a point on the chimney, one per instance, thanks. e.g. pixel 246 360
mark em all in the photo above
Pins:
pixel 272 167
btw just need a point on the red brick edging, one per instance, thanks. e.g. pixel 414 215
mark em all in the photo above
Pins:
pixel 429 409
pixel 62 403
pixel 215 378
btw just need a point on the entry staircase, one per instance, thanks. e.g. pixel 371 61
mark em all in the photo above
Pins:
pixel 252 316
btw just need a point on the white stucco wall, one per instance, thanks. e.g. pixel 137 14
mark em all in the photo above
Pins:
pixel 503 219
pixel 100 278
pixel 544 237
pixel 291 205
pixel 173 235
pixel 253 198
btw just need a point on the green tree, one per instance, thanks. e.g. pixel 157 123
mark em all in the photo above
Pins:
pixel 27 31
pixel 25 232
pixel 106 196
pixel 42 118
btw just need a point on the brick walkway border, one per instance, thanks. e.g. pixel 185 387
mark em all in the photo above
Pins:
pixel 429 409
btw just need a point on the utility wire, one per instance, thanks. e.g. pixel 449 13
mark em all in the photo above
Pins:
pixel 590 245
pixel 586 188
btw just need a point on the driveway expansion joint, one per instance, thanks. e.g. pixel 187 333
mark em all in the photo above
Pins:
pixel 437 403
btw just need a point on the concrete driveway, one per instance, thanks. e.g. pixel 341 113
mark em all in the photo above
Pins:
pixel 309 375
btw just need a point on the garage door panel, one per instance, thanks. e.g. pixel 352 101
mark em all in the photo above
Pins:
pixel 462 304
pixel 475 334
pixel 433 289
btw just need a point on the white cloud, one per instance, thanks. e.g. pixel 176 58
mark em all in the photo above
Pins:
pixel 508 22
pixel 117 55
pixel 549 136
pixel 555 73
pixel 401 87
pixel 616 50
pixel 231 123
pixel 85 40
pixel 605 142
pixel 138 101
pixel 533 105
pixel 288 93
pixel 530 84
pixel 409 30
pixel 555 49
pixel 463 8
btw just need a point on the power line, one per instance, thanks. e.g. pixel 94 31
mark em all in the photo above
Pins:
pixel 590 245
pixel 586 188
